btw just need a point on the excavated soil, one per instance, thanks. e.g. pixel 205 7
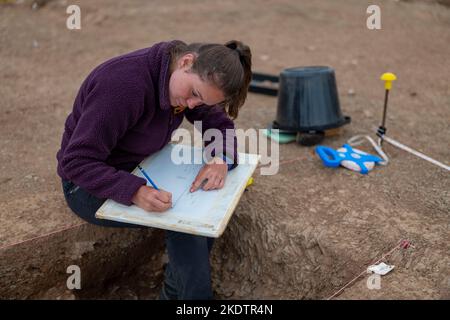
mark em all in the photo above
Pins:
pixel 304 232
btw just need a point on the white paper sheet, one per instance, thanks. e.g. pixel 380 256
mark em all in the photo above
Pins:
pixel 202 212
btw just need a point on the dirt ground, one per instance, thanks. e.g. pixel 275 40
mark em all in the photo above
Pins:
pixel 337 221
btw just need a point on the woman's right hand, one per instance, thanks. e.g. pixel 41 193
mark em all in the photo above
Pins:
pixel 151 199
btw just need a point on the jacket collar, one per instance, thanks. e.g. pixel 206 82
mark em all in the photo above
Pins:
pixel 164 74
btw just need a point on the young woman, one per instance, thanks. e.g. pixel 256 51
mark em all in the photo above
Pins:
pixel 127 109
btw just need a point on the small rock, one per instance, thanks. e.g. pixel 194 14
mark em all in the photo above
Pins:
pixel 129 295
pixel 264 57
pixel 35 44
pixel 99 18
pixel 367 113
pixel 354 62
pixel 391 117
pixel 351 92
pixel 113 289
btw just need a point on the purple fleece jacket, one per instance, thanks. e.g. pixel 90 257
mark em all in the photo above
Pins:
pixel 121 115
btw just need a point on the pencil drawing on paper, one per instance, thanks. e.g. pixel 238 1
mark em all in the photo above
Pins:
pixel 202 212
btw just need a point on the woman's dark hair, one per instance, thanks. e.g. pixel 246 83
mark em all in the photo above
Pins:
pixel 226 66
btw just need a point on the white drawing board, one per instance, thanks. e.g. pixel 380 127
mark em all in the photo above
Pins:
pixel 202 212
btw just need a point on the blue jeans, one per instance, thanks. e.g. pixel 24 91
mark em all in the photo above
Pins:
pixel 188 273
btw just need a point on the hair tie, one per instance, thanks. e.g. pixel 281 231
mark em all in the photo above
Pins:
pixel 232 45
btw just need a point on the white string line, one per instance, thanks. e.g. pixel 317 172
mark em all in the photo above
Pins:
pixel 365 271
pixel 43 236
pixel 414 152
pixel 357 140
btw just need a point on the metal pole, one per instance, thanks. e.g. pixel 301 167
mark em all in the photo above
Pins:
pixel 382 128
pixel 385 109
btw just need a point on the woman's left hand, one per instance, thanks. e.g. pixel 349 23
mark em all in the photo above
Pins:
pixel 214 173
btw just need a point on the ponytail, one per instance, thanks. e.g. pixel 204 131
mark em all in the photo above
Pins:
pixel 245 58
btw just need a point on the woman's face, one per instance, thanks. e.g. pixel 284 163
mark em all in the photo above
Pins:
pixel 186 89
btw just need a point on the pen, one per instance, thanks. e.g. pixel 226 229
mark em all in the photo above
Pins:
pixel 147 177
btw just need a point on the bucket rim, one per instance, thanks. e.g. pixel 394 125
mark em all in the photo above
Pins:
pixel 308 70
pixel 339 123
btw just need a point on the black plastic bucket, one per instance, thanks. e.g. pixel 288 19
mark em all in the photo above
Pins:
pixel 308 100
